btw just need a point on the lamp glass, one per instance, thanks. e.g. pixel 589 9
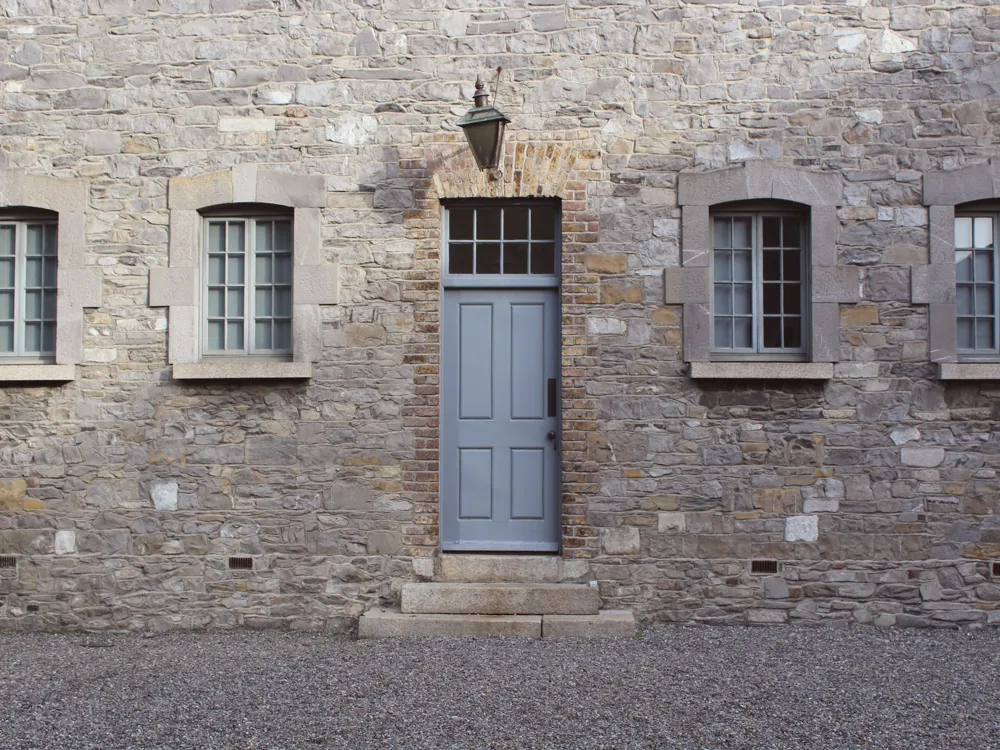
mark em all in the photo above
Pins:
pixel 486 140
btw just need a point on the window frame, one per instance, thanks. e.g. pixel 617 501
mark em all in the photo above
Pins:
pixel 525 280
pixel 20 219
pixel 757 211
pixel 979 209
pixel 249 214
pixel 177 285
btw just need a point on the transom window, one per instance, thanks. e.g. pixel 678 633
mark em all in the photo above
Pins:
pixel 248 306
pixel 28 265
pixel 975 283
pixel 516 239
pixel 758 289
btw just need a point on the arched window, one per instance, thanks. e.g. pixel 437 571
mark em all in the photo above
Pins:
pixel 45 281
pixel 246 276
pixel 247 289
pixel 759 280
pixel 29 261
pixel 959 285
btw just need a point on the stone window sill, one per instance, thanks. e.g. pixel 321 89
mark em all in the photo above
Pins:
pixel 762 370
pixel 37 373
pixel 243 371
pixel 969 371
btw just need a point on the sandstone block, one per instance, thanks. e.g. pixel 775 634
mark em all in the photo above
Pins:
pixel 606 262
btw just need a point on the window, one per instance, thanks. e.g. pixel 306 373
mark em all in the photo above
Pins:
pixel 758 287
pixel 759 280
pixel 28 269
pixel 237 310
pixel 975 284
pixel 248 308
pixel 502 238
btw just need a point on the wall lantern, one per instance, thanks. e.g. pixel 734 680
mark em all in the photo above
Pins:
pixel 484 127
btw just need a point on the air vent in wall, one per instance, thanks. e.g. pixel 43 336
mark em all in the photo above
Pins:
pixel 241 563
pixel 8 561
pixel 996 568
pixel 763 566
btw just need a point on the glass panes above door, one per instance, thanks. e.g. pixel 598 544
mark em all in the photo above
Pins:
pixel 501 240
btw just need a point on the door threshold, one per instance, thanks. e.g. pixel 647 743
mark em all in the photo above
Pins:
pixel 488 548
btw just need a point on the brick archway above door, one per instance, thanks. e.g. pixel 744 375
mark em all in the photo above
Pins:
pixel 531 169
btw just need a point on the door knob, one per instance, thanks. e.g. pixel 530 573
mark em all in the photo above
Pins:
pixel 552 435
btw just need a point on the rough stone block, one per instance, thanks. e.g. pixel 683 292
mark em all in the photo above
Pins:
pixel 802 529
pixel 65 542
pixel 922 457
pixel 164 495
pixel 670 523
pixel 623 541
pixel 766 616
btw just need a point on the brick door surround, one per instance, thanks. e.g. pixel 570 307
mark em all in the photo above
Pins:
pixel 560 166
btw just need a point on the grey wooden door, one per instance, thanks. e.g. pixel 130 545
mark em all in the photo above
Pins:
pixel 500 460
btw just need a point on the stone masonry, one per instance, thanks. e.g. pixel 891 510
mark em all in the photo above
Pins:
pixel 124 490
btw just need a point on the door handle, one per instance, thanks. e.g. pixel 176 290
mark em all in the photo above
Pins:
pixel 552 438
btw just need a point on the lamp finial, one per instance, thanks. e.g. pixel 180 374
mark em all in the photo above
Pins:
pixel 480 97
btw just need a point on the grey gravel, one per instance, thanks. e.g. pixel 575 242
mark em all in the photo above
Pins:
pixel 699 688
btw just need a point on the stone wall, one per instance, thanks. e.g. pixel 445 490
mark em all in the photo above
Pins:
pixel 123 492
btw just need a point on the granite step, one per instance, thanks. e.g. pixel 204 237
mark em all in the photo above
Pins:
pixel 381 623
pixel 395 624
pixel 500 599
pixel 511 569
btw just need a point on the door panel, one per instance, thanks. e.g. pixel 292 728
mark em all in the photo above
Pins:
pixel 527 361
pixel 500 472
pixel 476 361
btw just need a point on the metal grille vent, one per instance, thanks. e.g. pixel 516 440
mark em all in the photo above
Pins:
pixel 241 563
pixel 763 566
pixel 996 568
pixel 8 561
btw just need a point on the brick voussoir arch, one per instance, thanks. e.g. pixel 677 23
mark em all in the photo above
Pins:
pixel 690 284
pixel 177 286
pixel 78 285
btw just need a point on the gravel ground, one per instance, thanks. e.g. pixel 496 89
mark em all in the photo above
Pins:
pixel 699 688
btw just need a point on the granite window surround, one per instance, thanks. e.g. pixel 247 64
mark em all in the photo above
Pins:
pixel 829 285
pixel 945 194
pixel 178 286
pixel 79 285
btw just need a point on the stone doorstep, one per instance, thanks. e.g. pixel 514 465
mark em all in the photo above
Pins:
pixel 395 624
pixel 510 568
pixel 500 599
